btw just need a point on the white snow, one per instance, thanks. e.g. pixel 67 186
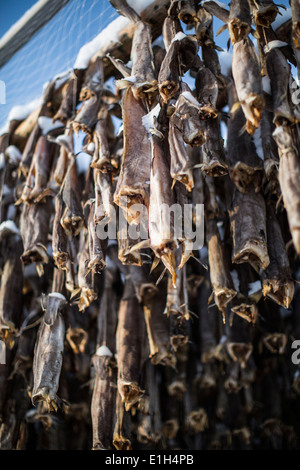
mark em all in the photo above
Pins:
pixel 13 153
pixel 103 351
pixel 266 84
pixel 91 147
pixel 139 5
pixel 58 295
pixel 148 119
pixel 258 143
pixel 273 44
pixel 62 78
pixel 10 226
pixel 179 36
pixel 46 124
pixel 21 112
pixel 225 59
pixel 254 287
pixel 108 35
pixel 280 19
pixel 188 95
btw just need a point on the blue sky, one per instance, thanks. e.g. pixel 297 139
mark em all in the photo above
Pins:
pixel 54 48
pixel 11 11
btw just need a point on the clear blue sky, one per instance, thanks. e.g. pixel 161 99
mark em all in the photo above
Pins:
pixel 54 48
pixel 11 11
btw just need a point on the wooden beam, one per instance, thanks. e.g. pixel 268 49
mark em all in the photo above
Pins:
pixel 30 23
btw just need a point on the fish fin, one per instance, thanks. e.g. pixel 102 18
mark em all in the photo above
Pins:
pixel 154 264
pixel 139 246
pixel 235 107
pixel 221 29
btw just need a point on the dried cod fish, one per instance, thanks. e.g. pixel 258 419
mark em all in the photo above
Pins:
pixel 70 98
pixel 277 278
pixel 248 229
pixel 131 333
pixel 11 290
pixel 49 352
pixel 39 173
pixel 220 276
pixel 247 78
pixel 104 395
pixel 132 186
pixel 59 237
pixel 239 24
pixel 72 218
pixel 289 177
pixel 245 166
pixel 34 226
pixel 180 57
pixel 264 12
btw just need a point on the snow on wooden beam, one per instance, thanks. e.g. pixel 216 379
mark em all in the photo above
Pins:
pixel 30 23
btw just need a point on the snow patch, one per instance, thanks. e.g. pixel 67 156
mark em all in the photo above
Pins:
pixel 10 226
pixel 20 112
pixel 139 5
pixel 108 35
pixel 46 124
pixel 188 95
pixel 179 36
pixel 13 154
pixel 103 351
pixel 148 119
pixel 274 44
pixel 58 295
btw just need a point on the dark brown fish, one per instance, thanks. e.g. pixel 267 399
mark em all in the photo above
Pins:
pixel 213 158
pixel 248 229
pixel 295 10
pixel 277 278
pixel 133 182
pixel 289 177
pixel 264 12
pixel 60 247
pixel 29 150
pixel 220 276
pixel 184 9
pixel 131 334
pixel 239 24
pixel 34 226
pixel 49 353
pixel 11 289
pixel 122 428
pixel 70 97
pixel 36 186
pixel 103 399
pixel 247 78
pixel 245 166
pixel 179 59
pixel 72 217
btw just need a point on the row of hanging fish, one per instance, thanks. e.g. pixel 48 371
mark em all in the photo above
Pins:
pixel 149 343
